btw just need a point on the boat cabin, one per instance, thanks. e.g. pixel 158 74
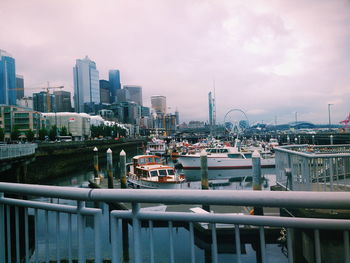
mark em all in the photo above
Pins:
pixel 151 167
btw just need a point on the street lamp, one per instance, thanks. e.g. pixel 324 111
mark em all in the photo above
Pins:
pixel 329 114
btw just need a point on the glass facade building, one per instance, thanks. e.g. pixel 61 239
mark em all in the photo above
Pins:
pixel 19 87
pixel 114 80
pixel 86 84
pixel 135 93
pixel 7 79
pixel 44 102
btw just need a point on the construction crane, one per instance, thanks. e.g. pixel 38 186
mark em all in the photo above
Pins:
pixel 346 121
pixel 48 101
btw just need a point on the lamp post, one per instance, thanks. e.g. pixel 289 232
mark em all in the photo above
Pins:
pixel 329 114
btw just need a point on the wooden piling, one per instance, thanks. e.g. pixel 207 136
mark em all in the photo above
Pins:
pixel 123 183
pixel 204 175
pixel 110 168
pixel 96 167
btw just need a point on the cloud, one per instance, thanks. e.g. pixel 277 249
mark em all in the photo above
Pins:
pixel 269 58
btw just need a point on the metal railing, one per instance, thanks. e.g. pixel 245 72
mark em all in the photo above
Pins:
pixel 9 151
pixel 313 168
pixel 107 224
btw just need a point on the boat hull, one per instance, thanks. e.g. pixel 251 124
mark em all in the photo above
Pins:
pixel 221 167
pixel 137 183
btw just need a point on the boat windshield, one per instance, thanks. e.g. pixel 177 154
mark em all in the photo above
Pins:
pixel 162 173
pixel 171 172
pixel 153 173
pixel 217 150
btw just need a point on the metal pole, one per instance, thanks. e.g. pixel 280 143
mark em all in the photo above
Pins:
pixel 204 175
pixel 331 139
pixel 110 168
pixel 123 183
pixel 329 114
pixel 96 168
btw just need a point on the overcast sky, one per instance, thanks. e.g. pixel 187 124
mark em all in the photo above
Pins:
pixel 268 58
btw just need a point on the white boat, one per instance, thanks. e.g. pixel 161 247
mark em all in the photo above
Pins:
pixel 224 162
pixel 147 171
pixel 156 147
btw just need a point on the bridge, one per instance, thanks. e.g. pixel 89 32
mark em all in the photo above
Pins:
pixel 88 227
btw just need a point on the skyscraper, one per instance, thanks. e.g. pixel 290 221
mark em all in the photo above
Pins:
pixel 86 84
pixel 19 87
pixel 158 103
pixel 7 79
pixel 105 91
pixel 114 80
pixel 135 93
pixel 63 101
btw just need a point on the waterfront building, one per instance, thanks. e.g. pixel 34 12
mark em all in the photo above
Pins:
pixel 23 119
pixel 63 101
pixel 105 91
pixel 77 124
pixel 114 80
pixel 7 79
pixel 86 84
pixel 44 102
pixel 19 87
pixel 25 102
pixel 135 93
pixel 158 103
pixel 106 114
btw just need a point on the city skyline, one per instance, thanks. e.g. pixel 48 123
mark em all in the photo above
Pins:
pixel 268 58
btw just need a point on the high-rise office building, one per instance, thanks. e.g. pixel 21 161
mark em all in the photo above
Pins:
pixel 44 102
pixel 7 79
pixel 114 80
pixel 86 84
pixel 63 101
pixel 135 93
pixel 105 91
pixel 123 95
pixel 19 87
pixel 158 103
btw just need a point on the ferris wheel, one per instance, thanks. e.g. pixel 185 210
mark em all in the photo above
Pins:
pixel 236 121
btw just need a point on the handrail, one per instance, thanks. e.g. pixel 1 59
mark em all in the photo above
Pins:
pixel 9 151
pixel 300 199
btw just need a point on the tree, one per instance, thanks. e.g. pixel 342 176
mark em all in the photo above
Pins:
pixel 64 131
pixel 53 133
pixel 14 134
pixel 2 134
pixel 30 135
pixel 42 133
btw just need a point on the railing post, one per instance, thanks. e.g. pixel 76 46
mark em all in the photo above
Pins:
pixel 81 232
pixel 2 231
pixel 136 232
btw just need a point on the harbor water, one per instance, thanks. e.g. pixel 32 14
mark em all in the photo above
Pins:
pixel 47 241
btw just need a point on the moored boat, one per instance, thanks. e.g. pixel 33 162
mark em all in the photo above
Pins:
pixel 147 171
pixel 223 162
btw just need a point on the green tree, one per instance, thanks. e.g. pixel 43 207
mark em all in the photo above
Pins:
pixel 14 134
pixel 30 135
pixel 42 133
pixel 2 134
pixel 64 131
pixel 53 133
